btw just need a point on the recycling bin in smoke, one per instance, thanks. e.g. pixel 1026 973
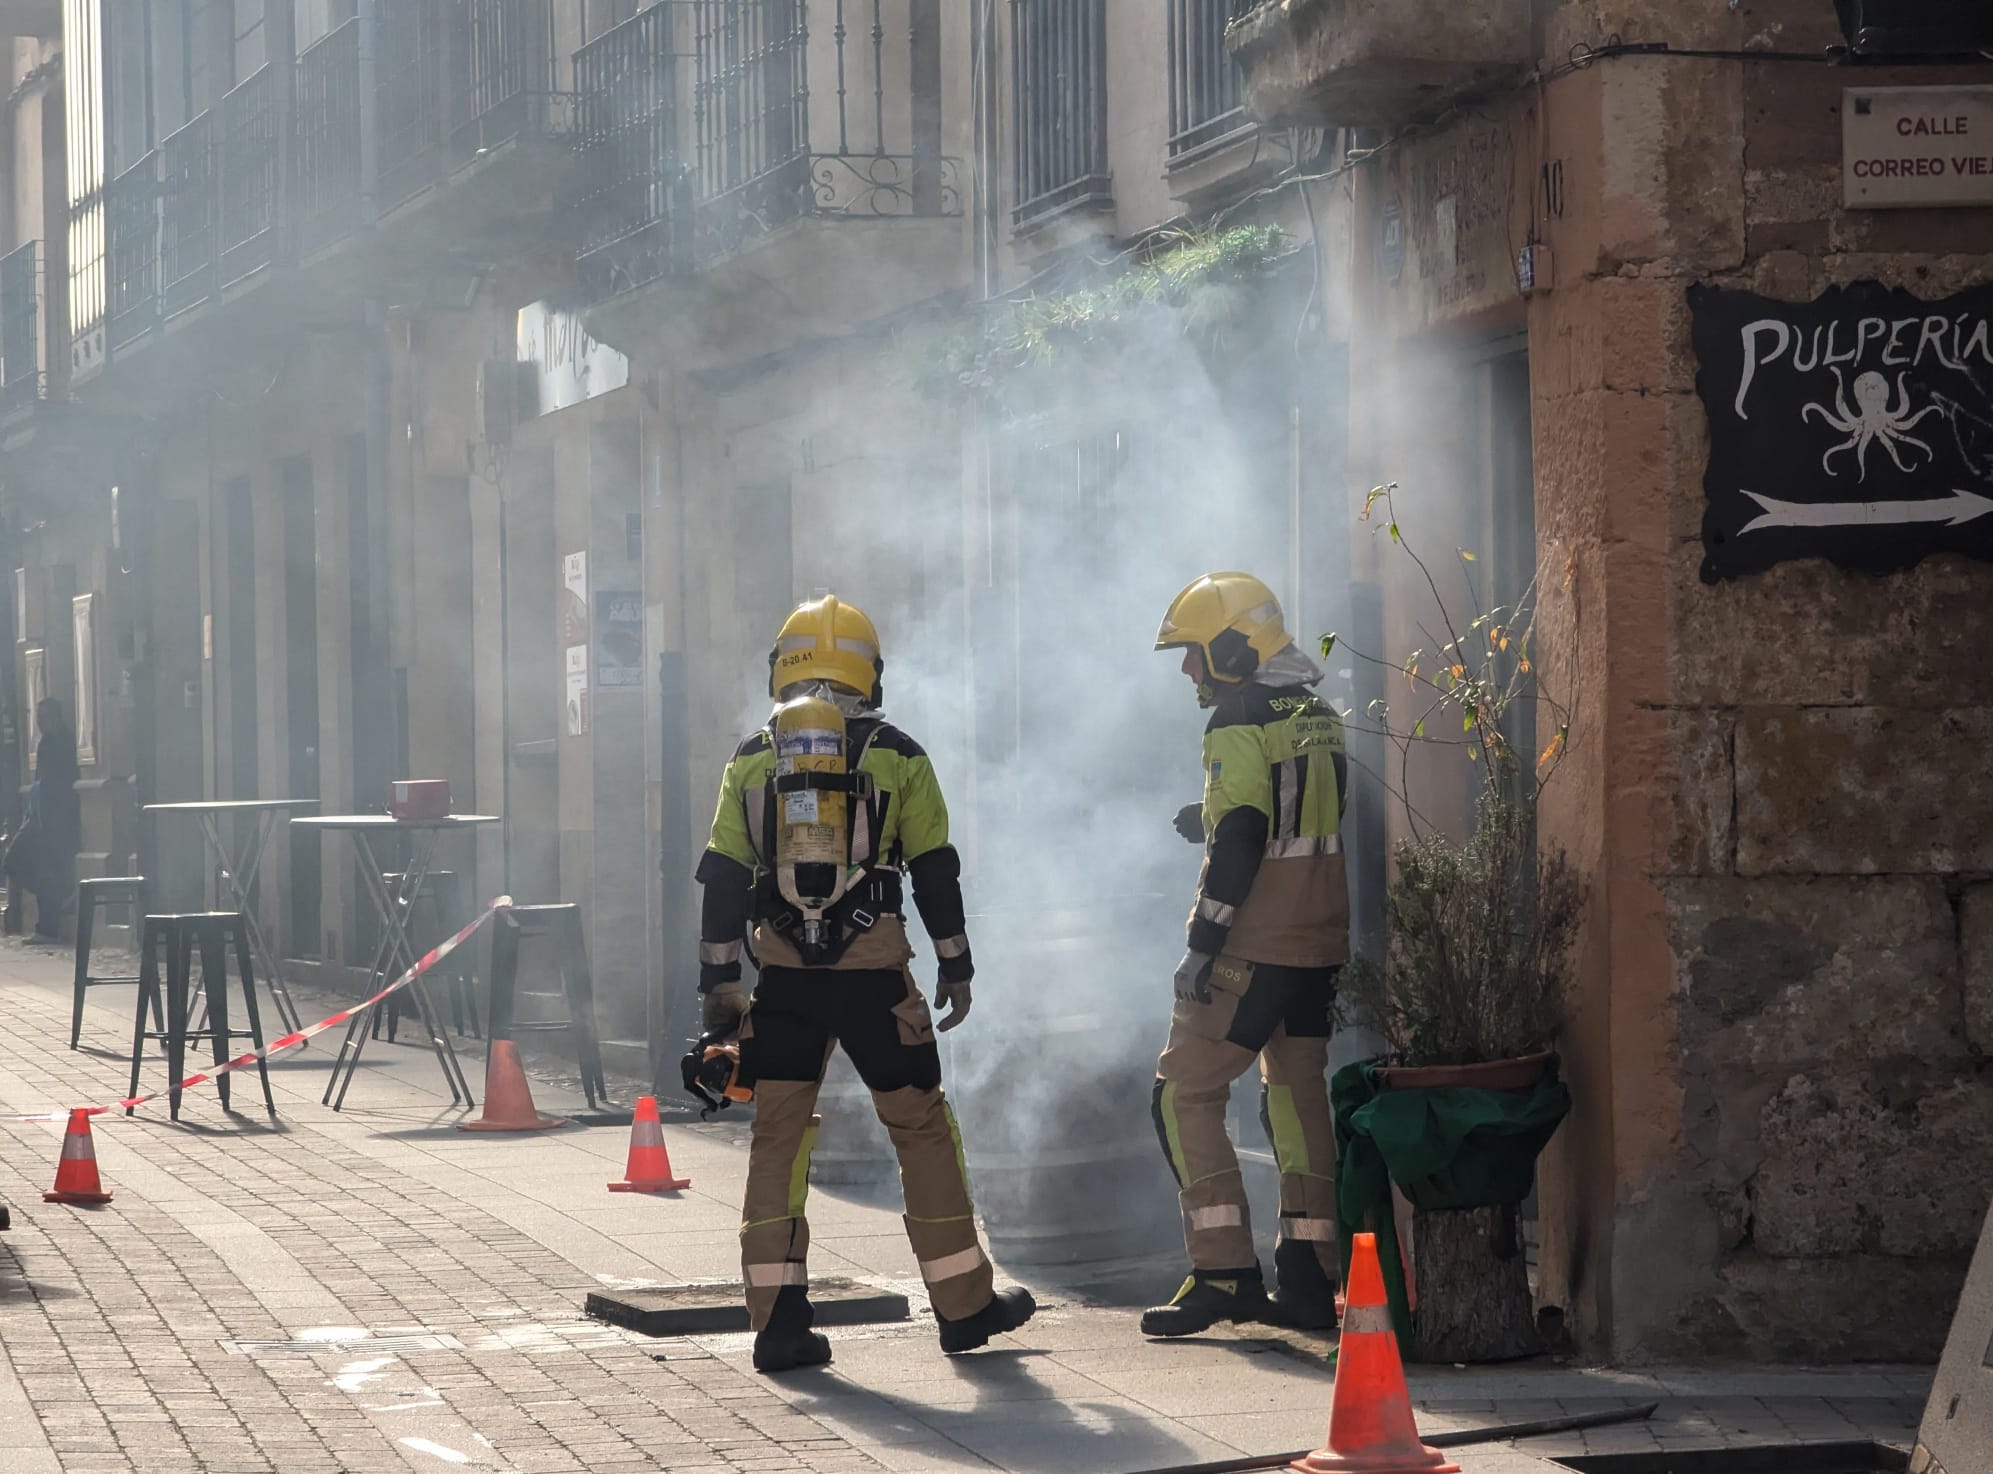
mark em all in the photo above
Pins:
pixel 1053 1075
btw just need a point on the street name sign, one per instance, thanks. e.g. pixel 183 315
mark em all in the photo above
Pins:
pixel 1910 147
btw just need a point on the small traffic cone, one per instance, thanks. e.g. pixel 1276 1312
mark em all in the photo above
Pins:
pixel 1371 1429
pixel 649 1167
pixel 76 1173
pixel 508 1100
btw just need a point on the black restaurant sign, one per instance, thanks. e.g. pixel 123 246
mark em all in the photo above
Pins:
pixel 1857 427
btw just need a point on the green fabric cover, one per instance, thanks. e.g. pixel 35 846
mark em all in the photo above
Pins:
pixel 1449 1147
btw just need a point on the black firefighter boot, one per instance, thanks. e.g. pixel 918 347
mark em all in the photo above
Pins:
pixel 1304 1296
pixel 1207 1297
pixel 1007 1310
pixel 787 1342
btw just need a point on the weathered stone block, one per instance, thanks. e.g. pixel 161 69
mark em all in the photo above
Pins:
pixel 1866 1307
pixel 1864 791
pixel 1698 833
pixel 1976 960
pixel 1810 192
pixel 1886 1160
pixel 1913 639
pixel 1779 974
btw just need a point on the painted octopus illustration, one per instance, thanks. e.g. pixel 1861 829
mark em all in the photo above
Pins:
pixel 1872 420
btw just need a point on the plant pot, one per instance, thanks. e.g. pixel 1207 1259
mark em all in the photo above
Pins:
pixel 1461 1142
pixel 1498 1074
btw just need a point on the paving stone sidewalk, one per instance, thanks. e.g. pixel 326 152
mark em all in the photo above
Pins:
pixel 374 1290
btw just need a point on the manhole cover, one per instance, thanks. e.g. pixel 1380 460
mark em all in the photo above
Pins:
pixel 705 1310
pixel 1784 1458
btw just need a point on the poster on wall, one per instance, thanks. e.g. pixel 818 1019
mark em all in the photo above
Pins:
pixel 86 678
pixel 577 691
pixel 1857 427
pixel 619 640
pixel 35 662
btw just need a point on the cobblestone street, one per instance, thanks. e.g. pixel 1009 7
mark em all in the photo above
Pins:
pixel 374 1290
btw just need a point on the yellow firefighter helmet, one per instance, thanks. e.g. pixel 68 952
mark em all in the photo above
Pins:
pixel 826 639
pixel 1231 619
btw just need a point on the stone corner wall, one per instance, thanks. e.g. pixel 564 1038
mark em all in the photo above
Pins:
pixel 1824 859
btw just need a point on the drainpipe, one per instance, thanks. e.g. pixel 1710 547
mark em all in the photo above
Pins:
pixel 370 173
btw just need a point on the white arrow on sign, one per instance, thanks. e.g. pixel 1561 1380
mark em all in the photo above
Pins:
pixel 1960 506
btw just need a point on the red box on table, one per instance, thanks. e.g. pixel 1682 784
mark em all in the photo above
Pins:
pixel 420 798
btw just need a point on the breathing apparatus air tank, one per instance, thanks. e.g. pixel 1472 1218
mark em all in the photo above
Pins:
pixel 813 818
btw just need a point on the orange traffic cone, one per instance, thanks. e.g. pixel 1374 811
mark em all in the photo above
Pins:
pixel 1371 1429
pixel 76 1173
pixel 508 1100
pixel 649 1167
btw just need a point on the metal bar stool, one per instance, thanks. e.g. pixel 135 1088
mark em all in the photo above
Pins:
pixel 561 925
pixel 178 935
pixel 109 890
pixel 437 912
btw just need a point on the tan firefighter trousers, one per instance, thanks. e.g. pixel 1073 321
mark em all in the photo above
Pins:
pixel 879 1017
pixel 1281 1016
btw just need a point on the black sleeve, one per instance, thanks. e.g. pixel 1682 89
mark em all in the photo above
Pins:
pixel 1342 787
pixel 937 893
pixel 1236 849
pixel 722 917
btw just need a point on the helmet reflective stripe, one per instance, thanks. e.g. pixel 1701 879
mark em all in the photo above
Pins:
pixel 826 639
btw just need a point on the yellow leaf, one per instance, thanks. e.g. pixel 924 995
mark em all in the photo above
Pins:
pixel 1467 555
pixel 1556 746
pixel 1524 666
pixel 1459 672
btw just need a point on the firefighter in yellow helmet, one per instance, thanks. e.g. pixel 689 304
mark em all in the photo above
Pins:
pixel 1269 928
pixel 821 815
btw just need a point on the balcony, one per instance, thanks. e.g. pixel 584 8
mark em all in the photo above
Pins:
pixel 347 173
pixel 1375 63
pixel 187 202
pixel 1207 93
pixel 131 234
pixel 756 140
pixel 23 377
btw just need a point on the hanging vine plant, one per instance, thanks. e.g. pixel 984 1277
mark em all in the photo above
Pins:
pixel 1202 289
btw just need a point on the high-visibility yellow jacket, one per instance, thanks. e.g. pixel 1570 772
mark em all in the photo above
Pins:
pixel 1273 887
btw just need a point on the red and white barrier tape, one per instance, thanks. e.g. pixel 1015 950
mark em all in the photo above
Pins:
pixel 291 1041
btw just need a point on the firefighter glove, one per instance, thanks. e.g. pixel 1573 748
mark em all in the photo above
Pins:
pixel 955 998
pixel 722 1009
pixel 1193 977
pixel 1190 822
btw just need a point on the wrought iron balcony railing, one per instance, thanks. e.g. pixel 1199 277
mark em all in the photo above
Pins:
pixel 502 75
pixel 21 371
pixel 187 208
pixel 131 229
pixel 753 114
pixel 1207 90
pixel 251 172
pixel 635 190
pixel 411 89
pixel 325 140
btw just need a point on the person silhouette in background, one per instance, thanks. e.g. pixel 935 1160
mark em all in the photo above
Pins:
pixel 43 855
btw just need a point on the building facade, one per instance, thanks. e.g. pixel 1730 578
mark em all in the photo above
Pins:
pixel 1569 221
pixel 466 388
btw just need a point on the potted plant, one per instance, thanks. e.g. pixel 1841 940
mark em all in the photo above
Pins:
pixel 1468 995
